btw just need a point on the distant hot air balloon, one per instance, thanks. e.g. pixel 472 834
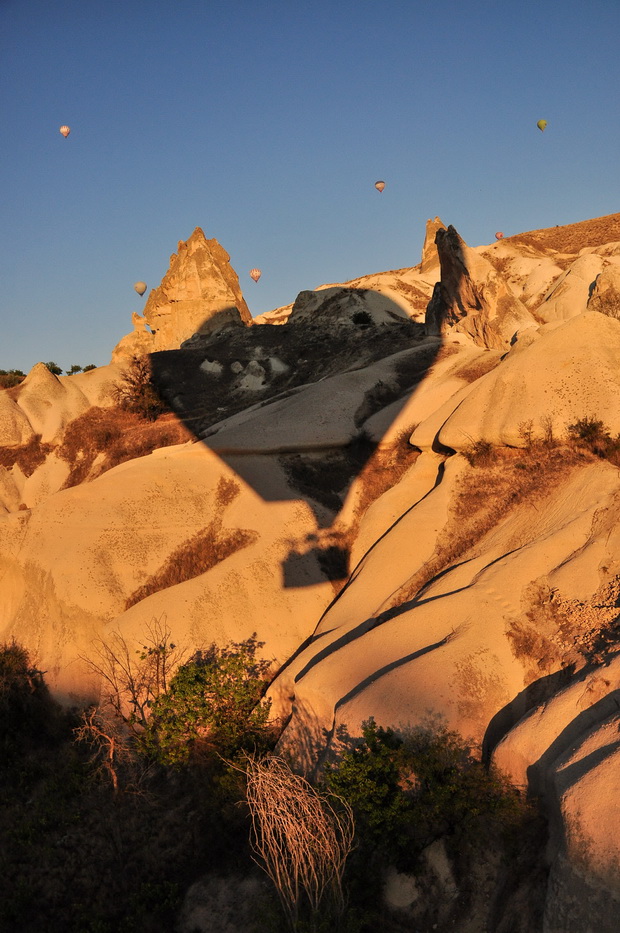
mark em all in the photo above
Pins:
pixel 499 235
pixel 65 130
pixel 379 185
pixel 255 274
pixel 140 287
pixel 541 125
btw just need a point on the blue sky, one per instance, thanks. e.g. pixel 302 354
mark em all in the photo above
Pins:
pixel 267 123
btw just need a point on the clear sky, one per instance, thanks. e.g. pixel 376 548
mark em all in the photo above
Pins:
pixel 267 123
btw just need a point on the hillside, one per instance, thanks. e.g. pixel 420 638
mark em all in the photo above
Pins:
pixel 408 486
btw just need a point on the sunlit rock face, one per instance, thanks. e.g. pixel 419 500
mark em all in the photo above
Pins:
pixel 430 256
pixel 199 294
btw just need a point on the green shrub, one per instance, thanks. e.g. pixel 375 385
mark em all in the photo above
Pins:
pixel 408 789
pixel 10 378
pixel 213 702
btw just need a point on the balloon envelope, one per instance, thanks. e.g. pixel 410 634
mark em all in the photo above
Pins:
pixel 140 287
pixel 541 125
pixel 379 185
pixel 499 235
pixel 255 274
pixel 65 130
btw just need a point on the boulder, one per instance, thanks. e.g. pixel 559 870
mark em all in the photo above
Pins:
pixel 569 294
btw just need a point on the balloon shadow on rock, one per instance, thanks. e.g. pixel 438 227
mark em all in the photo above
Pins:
pixel 293 409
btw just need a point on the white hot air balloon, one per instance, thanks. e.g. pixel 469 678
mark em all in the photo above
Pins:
pixel 255 274
pixel 140 287
pixel 65 130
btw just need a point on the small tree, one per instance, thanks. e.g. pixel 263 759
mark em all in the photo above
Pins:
pixel 11 378
pixel 133 679
pixel 54 368
pixel 137 392
pixel 88 368
pixel 302 838
pixel 74 368
pixel 216 698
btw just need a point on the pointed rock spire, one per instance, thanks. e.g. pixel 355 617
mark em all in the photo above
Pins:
pixel 200 293
pixel 472 297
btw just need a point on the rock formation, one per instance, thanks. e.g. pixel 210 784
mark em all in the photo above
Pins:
pixel 418 535
pixel 472 298
pixel 199 294
pixel 430 256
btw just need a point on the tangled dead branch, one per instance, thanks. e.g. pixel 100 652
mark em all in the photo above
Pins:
pixel 302 837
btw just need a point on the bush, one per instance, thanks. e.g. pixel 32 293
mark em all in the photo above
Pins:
pixel 594 435
pixel 213 702
pixel 10 378
pixel 362 319
pixel 408 790
pixel 480 453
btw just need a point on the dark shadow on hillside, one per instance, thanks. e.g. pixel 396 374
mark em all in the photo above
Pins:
pixel 224 378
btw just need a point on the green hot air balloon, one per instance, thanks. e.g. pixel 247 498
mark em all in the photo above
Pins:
pixel 541 125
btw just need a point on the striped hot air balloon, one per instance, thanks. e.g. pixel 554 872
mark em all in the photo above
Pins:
pixel 255 274
pixel 65 130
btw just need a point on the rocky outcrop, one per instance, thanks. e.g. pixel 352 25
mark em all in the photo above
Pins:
pixel 472 297
pixel 569 372
pixel 605 292
pixel 340 305
pixel 199 294
pixel 568 296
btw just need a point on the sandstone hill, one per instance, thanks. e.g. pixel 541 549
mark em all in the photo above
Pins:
pixel 407 485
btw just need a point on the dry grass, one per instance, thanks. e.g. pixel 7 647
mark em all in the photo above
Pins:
pixel 559 633
pixel 199 553
pixel 572 237
pixel 120 435
pixel 27 456
pixel 194 557
pixel 488 492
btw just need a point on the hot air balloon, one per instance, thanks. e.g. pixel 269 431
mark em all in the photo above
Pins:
pixel 541 125
pixel 499 235
pixel 65 130
pixel 379 185
pixel 140 287
pixel 255 274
